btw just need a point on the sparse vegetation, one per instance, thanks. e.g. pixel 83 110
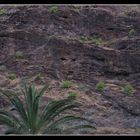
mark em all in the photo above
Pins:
pixel 38 77
pixel 100 86
pixel 76 9
pixel 2 11
pixel 131 13
pixel 54 9
pixel 72 95
pixel 33 120
pixel 128 89
pixel 19 55
pixel 97 41
pixel 66 84
pixel 87 54
pixel 84 39
pixel 12 76
pixel 131 32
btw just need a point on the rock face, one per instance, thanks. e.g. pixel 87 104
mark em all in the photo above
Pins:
pixel 20 30
pixel 81 43
pixel 77 60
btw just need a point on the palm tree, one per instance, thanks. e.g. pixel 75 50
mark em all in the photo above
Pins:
pixel 32 119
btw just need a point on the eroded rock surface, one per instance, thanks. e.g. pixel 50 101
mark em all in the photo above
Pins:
pixel 85 44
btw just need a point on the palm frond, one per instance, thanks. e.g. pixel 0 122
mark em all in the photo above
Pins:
pixel 5 118
pixel 42 91
pixel 11 116
pixel 32 98
pixel 34 121
pixel 61 121
pixel 16 102
pixel 81 127
pixel 54 106
pixel 11 131
pixel 37 99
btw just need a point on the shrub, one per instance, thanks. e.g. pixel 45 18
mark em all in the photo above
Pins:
pixel 53 9
pixel 66 84
pixel 100 86
pixel 97 41
pixel 84 39
pixel 128 89
pixel 19 55
pixel 38 77
pixel 131 32
pixel 2 11
pixel 131 13
pixel 76 9
pixel 12 76
pixel 72 94
pixel 32 119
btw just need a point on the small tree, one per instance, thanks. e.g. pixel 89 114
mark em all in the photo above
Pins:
pixel 33 120
pixel 128 89
pixel 66 84
pixel 100 86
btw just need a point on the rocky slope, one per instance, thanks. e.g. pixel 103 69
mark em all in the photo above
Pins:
pixel 84 44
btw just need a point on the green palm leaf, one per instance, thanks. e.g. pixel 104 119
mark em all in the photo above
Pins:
pixel 10 116
pixel 15 101
pixel 81 127
pixel 31 119
pixel 60 121
pixel 54 106
pixel 12 131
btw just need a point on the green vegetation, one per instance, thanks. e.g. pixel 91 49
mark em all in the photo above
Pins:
pixel 72 95
pixel 32 119
pixel 19 55
pixel 131 13
pixel 131 32
pixel 2 11
pixel 76 9
pixel 100 86
pixel 126 13
pixel 66 84
pixel 38 77
pixel 97 41
pixel 128 89
pixel 84 39
pixel 12 76
pixel 53 9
